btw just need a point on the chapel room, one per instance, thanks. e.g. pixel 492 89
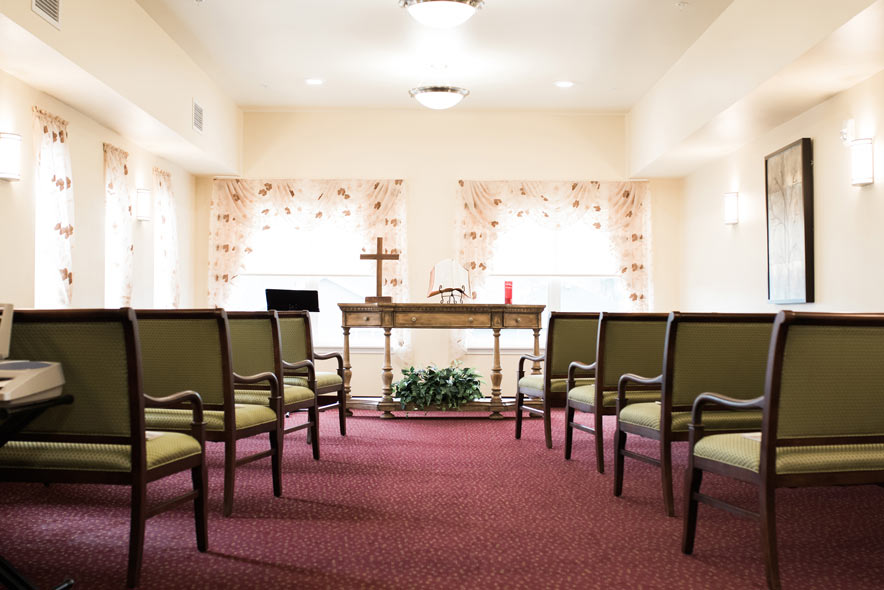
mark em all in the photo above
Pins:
pixel 468 294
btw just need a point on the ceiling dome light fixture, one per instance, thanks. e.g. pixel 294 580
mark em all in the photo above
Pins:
pixel 438 97
pixel 441 14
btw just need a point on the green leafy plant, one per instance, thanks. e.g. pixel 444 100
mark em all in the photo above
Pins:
pixel 445 388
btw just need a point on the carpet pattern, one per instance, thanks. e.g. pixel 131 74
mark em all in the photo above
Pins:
pixel 443 502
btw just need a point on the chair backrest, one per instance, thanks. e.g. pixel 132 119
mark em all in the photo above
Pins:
pixel 98 352
pixel 255 341
pixel 570 337
pixel 294 330
pixel 187 349
pixel 826 378
pixel 719 352
pixel 629 343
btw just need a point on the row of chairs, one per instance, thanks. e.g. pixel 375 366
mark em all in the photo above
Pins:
pixel 785 400
pixel 151 387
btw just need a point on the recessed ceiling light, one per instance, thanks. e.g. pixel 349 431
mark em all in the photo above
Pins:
pixel 314 81
pixel 564 83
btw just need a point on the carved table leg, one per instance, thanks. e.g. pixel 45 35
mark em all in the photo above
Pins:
pixel 387 375
pixel 535 367
pixel 496 376
pixel 347 372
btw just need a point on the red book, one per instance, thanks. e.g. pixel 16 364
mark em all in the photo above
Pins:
pixel 508 292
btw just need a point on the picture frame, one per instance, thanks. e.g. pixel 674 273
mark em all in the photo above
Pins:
pixel 788 189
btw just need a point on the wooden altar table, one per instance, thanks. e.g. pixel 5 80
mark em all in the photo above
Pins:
pixel 496 316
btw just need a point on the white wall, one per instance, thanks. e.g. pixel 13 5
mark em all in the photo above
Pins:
pixel 17 205
pixel 725 267
pixel 432 151
pixel 117 65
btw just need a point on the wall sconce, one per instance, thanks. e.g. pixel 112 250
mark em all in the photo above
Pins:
pixel 862 162
pixel 10 156
pixel 731 208
pixel 142 204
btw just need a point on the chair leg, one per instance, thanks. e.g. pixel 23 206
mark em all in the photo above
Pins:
pixel 342 411
pixel 666 477
pixel 520 400
pixel 229 475
pixel 569 430
pixel 136 533
pixel 200 479
pixel 547 421
pixel 313 416
pixel 693 480
pixel 619 457
pixel 276 441
pixel 599 440
pixel 769 538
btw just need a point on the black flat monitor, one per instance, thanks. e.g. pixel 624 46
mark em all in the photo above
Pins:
pixel 292 300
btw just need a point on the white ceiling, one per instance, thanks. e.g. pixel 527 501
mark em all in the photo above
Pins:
pixel 370 52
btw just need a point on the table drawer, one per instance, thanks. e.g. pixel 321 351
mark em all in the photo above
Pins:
pixel 363 318
pixel 521 320
pixel 442 320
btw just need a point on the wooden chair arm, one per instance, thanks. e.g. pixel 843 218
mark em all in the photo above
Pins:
pixel 528 357
pixel 330 355
pixel 708 398
pixel 627 378
pixel 198 425
pixel 576 366
pixel 275 396
pixel 290 368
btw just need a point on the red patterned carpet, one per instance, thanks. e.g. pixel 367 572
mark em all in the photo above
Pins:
pixel 442 503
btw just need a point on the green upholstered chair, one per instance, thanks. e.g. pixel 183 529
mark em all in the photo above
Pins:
pixel 703 352
pixel 297 346
pixel 823 407
pixel 257 347
pixel 101 438
pixel 627 343
pixel 569 337
pixel 191 348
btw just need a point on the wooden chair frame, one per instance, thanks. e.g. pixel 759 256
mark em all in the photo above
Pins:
pixel 139 476
pixel 666 436
pixel 767 479
pixel 291 369
pixel 548 376
pixel 597 429
pixel 231 434
pixel 278 375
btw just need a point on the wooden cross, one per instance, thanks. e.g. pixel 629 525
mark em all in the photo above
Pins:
pixel 380 257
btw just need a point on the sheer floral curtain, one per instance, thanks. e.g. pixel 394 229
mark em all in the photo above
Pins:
pixel 167 287
pixel 54 223
pixel 241 208
pixel 119 229
pixel 618 209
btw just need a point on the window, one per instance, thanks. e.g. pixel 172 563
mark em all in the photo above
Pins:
pixel 301 260
pixel 566 269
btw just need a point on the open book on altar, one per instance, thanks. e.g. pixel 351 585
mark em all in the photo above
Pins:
pixel 450 279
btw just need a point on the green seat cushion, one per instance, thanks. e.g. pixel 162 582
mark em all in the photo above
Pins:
pixel 293 394
pixel 745 452
pixel 648 415
pixel 322 380
pixel 535 382
pixel 586 395
pixel 246 416
pixel 161 448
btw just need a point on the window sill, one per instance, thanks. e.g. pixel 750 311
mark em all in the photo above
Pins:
pixel 353 349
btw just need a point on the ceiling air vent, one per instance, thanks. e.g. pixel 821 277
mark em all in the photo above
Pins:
pixel 50 10
pixel 197 117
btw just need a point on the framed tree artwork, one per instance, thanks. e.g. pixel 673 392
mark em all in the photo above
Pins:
pixel 788 174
